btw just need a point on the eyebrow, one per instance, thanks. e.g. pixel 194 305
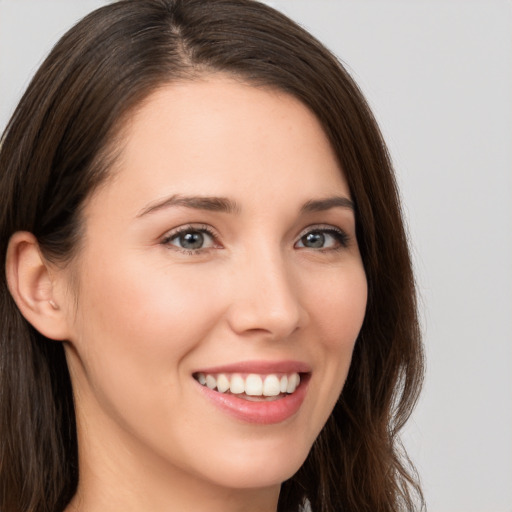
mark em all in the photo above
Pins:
pixel 214 204
pixel 320 205
pixel 225 205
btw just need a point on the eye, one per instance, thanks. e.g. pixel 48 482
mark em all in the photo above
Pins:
pixel 191 238
pixel 323 238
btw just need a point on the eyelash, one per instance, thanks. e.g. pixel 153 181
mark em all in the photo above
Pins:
pixel 190 228
pixel 339 235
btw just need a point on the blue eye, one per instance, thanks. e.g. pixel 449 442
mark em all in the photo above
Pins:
pixel 325 238
pixel 191 239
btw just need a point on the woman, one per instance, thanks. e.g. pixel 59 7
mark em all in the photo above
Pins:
pixel 208 301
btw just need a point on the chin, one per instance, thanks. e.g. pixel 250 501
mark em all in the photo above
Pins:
pixel 258 467
pixel 256 478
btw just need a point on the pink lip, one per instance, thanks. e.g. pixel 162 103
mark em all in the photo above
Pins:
pixel 261 367
pixel 261 413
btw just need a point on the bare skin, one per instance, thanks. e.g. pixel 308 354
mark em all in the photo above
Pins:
pixel 169 286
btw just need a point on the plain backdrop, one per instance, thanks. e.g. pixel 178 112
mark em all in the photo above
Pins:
pixel 438 75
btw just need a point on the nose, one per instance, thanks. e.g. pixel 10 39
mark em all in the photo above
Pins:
pixel 266 299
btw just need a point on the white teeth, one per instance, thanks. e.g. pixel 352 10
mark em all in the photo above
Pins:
pixel 222 383
pixel 211 381
pixel 253 385
pixel 237 385
pixel 271 386
pixel 293 382
pixel 284 384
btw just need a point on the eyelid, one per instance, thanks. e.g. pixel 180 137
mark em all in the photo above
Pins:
pixel 185 228
pixel 343 236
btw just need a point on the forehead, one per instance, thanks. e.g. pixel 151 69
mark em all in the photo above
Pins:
pixel 209 135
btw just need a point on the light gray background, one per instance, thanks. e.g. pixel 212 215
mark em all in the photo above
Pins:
pixel 439 77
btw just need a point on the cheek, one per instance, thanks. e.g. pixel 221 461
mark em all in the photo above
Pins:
pixel 338 316
pixel 340 308
pixel 146 306
pixel 135 327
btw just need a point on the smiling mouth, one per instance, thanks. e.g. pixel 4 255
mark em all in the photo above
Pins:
pixel 252 386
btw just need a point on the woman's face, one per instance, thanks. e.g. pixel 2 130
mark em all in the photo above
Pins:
pixel 222 250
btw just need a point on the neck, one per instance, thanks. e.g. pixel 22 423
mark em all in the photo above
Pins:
pixel 121 476
pixel 172 500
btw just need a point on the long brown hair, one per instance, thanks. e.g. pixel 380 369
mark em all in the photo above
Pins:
pixel 58 147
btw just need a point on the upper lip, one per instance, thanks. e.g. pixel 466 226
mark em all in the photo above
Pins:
pixel 261 367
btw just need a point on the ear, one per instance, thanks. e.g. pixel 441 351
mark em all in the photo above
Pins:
pixel 33 286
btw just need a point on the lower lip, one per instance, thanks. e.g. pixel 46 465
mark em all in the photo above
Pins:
pixel 262 413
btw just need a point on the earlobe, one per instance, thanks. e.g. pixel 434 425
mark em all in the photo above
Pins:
pixel 32 286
